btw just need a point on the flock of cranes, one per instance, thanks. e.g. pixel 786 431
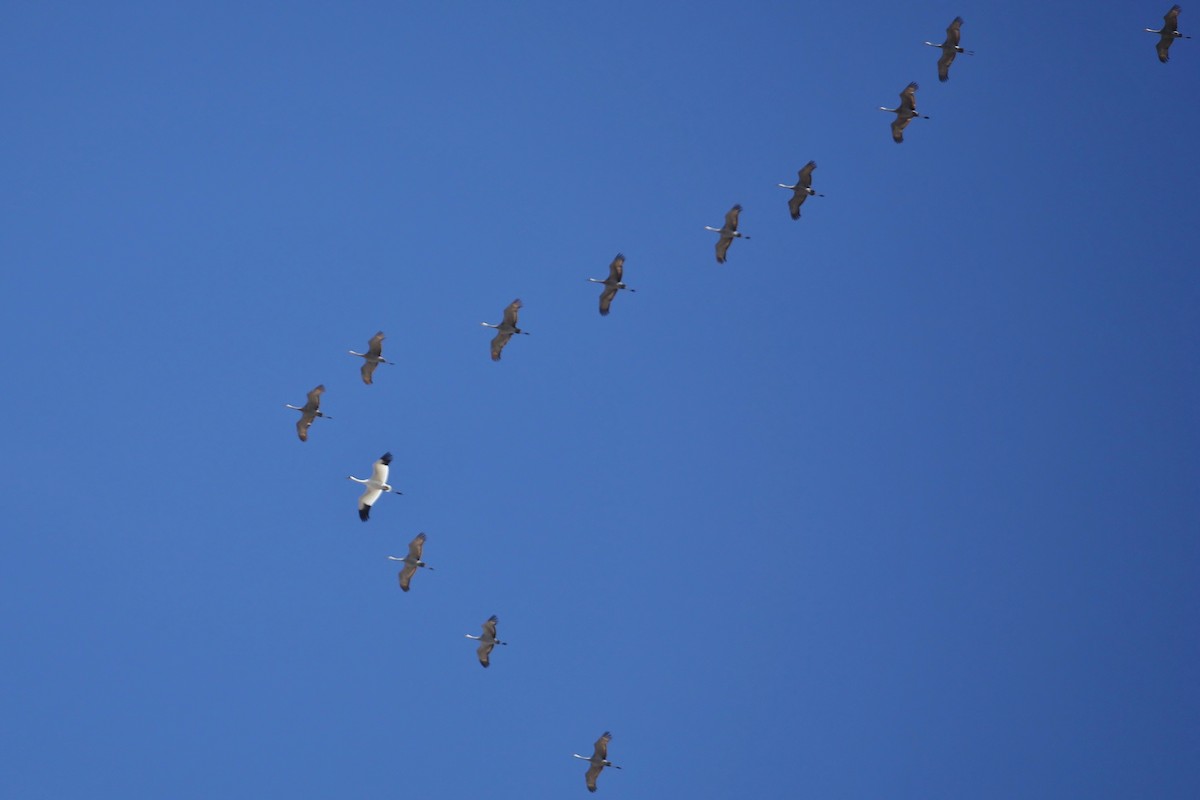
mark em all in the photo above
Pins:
pixel 377 484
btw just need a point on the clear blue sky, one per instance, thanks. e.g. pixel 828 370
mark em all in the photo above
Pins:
pixel 900 502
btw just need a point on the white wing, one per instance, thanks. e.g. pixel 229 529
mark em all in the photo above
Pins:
pixel 369 496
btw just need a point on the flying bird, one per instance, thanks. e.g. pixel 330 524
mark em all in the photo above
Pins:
pixel 1168 33
pixel 376 485
pixel 506 329
pixel 801 190
pixel 487 641
pixel 950 49
pixel 599 760
pixel 373 357
pixel 411 561
pixel 728 232
pixel 905 112
pixel 612 284
pixel 308 412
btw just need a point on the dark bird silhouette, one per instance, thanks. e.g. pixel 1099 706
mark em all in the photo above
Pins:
pixel 487 641
pixel 506 328
pixel 411 561
pixel 801 190
pixel 905 113
pixel 373 357
pixel 598 761
pixel 1168 33
pixel 612 284
pixel 308 412
pixel 728 231
pixel 950 49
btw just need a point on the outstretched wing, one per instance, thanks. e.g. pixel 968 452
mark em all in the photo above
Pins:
pixel 806 175
pixel 908 98
pixel 954 32
pixel 898 127
pixel 375 345
pixel 591 775
pixel 600 753
pixel 406 575
pixel 731 218
pixel 616 269
pixel 483 651
pixel 314 398
pixel 944 63
pixel 1171 19
pixel 416 546
pixel 1163 46
pixel 723 247
pixel 365 501
pixel 797 200
pixel 606 298
pixel 498 343
pixel 380 469
pixel 302 424
pixel 510 313
pixel 368 369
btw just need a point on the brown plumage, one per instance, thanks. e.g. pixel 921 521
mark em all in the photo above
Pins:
pixel 308 412
pixel 612 284
pixel 728 231
pixel 412 561
pixel 1168 33
pixel 487 641
pixel 598 761
pixel 506 328
pixel 905 113
pixel 801 190
pixel 372 358
pixel 950 49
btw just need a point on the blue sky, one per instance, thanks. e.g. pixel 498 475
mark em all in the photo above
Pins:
pixel 899 502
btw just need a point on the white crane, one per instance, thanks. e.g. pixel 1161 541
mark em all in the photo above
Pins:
pixel 728 232
pixel 487 641
pixel 506 328
pixel 612 284
pixel 411 561
pixel 598 761
pixel 376 485
pixel 1168 33
pixel 950 49
pixel 308 412
pixel 801 190
pixel 373 357
pixel 906 112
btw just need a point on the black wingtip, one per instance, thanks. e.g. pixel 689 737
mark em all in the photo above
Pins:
pixel 386 458
pixel 364 512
